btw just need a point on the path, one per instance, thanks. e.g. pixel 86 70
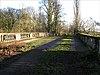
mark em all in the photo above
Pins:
pixel 27 60
pixel 71 61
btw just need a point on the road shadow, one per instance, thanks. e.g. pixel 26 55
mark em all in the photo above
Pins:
pixel 58 63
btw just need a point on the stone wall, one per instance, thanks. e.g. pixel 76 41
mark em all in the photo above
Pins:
pixel 92 41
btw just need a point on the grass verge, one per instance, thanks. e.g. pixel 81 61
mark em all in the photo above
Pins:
pixel 39 42
pixel 64 45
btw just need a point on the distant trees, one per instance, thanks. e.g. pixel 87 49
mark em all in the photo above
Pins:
pixel 48 19
pixel 17 20
pixel 41 21
pixel 88 26
pixel 80 25
pixel 26 21
pixel 7 19
pixel 1 21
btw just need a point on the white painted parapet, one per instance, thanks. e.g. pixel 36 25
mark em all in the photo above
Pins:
pixel 6 37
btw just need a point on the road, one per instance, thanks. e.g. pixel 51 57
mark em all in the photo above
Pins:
pixel 28 60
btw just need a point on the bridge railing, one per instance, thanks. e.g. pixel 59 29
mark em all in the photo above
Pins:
pixel 6 37
pixel 92 41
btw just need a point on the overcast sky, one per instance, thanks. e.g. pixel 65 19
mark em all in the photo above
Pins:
pixel 88 8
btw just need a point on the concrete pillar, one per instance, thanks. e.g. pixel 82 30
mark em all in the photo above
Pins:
pixel 31 35
pixel 18 36
pixel 0 37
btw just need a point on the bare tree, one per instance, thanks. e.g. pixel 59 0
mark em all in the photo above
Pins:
pixel 87 26
pixel 77 16
pixel 52 9
pixel 47 5
pixel 56 17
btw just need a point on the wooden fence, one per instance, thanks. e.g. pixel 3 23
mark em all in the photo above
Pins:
pixel 7 37
pixel 93 42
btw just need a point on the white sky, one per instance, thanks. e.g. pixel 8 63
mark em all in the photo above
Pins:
pixel 89 8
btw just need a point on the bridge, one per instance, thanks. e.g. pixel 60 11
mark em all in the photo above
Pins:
pixel 84 53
